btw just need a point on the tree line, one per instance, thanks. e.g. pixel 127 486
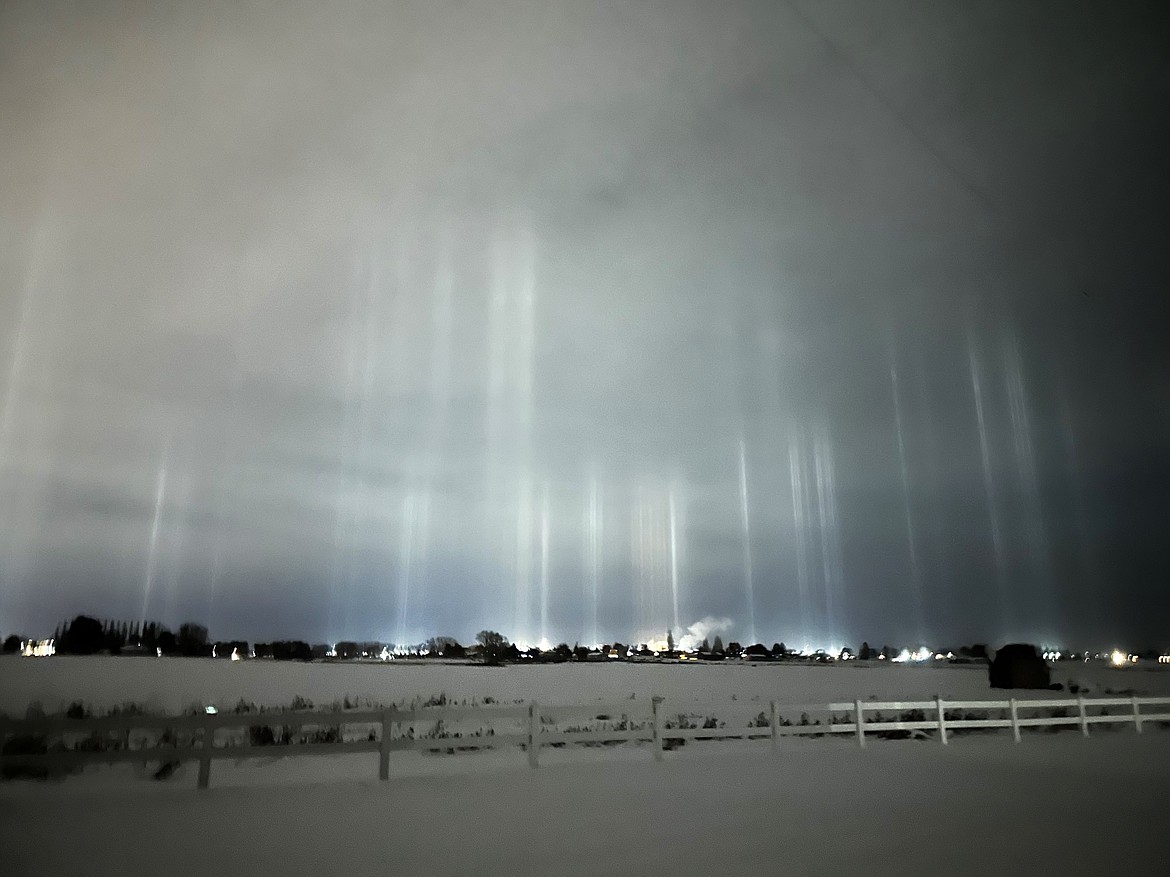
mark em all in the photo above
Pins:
pixel 85 635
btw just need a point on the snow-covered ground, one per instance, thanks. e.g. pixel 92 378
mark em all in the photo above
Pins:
pixel 1053 804
pixel 172 684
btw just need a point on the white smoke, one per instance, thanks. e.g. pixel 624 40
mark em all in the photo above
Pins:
pixel 707 629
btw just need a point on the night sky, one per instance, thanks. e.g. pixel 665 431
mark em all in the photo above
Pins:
pixel 822 321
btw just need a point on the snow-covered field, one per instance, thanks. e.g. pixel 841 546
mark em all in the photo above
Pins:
pixel 1055 803
pixel 1052 805
pixel 171 685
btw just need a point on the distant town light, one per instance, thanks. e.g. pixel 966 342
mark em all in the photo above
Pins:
pixel 210 710
pixel 1119 658
pixel 38 648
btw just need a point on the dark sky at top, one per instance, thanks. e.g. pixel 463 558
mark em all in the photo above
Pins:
pixel 820 320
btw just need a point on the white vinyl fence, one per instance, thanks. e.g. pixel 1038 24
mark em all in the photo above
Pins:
pixel 62 744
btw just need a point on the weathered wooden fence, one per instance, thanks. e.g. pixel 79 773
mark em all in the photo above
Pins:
pixel 108 740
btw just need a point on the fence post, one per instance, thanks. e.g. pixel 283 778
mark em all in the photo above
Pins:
pixel 384 745
pixel 533 734
pixel 942 721
pixel 1015 719
pixel 654 703
pixel 1084 718
pixel 774 723
pixel 205 747
pixel 859 719
pixel 1137 714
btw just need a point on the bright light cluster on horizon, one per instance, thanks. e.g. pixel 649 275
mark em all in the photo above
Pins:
pixel 662 647
pixel 917 656
pixel 1119 658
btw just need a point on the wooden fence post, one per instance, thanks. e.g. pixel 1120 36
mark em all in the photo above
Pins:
pixel 1084 718
pixel 533 734
pixel 206 744
pixel 657 740
pixel 1015 719
pixel 859 719
pixel 384 745
pixel 942 721
pixel 774 723
pixel 1137 714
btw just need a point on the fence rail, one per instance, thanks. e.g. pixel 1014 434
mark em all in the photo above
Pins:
pixel 533 727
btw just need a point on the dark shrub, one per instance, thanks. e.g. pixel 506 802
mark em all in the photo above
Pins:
pixel 1018 665
pixel 25 744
